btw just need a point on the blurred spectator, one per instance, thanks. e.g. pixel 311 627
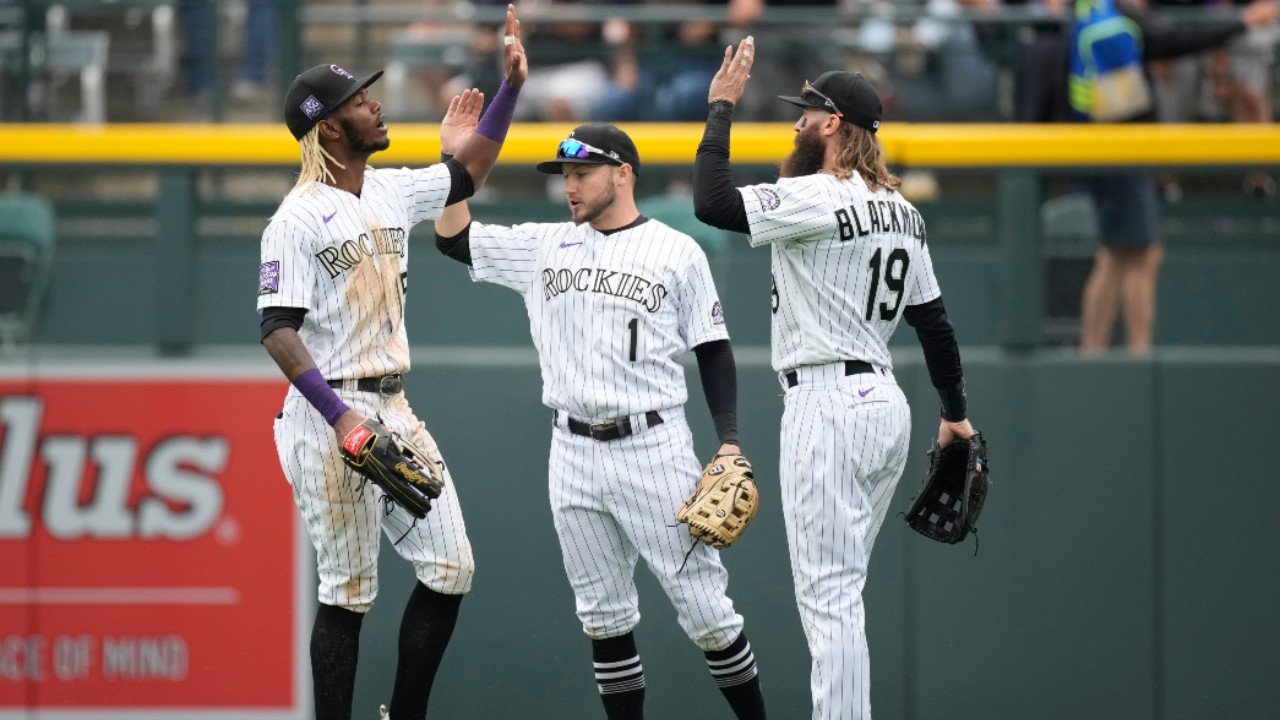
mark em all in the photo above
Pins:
pixel 566 73
pixel 1233 84
pixel 199 47
pixel 800 51
pixel 254 71
pixel 200 32
pixel 1126 267
pixel 669 84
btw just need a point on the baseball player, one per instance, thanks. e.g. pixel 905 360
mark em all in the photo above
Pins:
pixel 615 299
pixel 849 261
pixel 331 292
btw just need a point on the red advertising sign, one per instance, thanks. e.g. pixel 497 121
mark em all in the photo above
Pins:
pixel 149 551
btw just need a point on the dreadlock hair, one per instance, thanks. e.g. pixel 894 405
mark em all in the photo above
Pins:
pixel 315 165
pixel 315 160
pixel 858 150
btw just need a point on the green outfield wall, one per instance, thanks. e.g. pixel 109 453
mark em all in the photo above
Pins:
pixel 1124 571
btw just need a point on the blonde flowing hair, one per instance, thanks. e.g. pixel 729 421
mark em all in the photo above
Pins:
pixel 315 164
pixel 858 150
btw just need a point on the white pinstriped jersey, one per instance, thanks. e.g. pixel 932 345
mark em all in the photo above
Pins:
pixel 611 314
pixel 345 259
pixel 846 261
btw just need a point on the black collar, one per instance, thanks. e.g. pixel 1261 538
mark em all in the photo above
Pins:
pixel 640 220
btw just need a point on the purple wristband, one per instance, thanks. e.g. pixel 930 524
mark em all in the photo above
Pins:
pixel 322 397
pixel 497 119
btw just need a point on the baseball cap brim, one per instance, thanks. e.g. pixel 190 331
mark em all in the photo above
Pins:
pixel 361 84
pixel 552 167
pixel 801 102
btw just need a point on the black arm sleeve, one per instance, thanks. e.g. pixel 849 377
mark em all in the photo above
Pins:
pixel 1162 39
pixel 720 384
pixel 463 186
pixel 715 200
pixel 457 247
pixel 941 355
pixel 274 318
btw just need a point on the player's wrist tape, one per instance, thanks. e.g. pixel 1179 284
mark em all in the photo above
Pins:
pixel 497 119
pixel 954 404
pixel 322 397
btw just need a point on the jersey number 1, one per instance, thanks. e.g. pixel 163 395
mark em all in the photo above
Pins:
pixel 895 275
pixel 634 325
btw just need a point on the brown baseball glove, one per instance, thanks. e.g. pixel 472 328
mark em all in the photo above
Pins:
pixel 724 503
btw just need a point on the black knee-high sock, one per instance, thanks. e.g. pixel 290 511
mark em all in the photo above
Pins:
pixel 335 646
pixel 619 677
pixel 425 630
pixel 734 670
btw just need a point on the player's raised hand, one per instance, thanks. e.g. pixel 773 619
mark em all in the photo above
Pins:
pixel 514 59
pixel 731 79
pixel 460 120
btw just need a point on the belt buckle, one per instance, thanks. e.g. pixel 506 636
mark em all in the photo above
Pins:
pixel 390 385
pixel 597 431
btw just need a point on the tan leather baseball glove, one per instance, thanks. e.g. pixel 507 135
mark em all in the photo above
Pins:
pixel 726 499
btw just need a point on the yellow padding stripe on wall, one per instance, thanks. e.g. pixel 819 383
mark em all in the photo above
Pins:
pixel 924 145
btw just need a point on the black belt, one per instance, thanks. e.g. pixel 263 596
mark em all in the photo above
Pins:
pixel 613 429
pixel 385 385
pixel 851 367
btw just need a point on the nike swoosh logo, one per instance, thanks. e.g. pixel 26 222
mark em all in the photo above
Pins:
pixel 864 393
pixel 329 217
pixel 565 244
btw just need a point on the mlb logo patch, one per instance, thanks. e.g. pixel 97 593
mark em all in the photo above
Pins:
pixel 768 197
pixel 717 314
pixel 311 107
pixel 269 278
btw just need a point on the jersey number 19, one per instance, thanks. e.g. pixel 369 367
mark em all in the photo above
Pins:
pixel 895 276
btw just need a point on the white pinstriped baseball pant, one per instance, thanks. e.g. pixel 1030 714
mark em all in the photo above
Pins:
pixel 345 513
pixel 614 502
pixel 844 445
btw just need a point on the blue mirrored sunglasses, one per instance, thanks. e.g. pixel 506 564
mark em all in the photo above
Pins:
pixel 577 149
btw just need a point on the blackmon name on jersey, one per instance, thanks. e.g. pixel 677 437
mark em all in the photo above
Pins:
pixel 879 216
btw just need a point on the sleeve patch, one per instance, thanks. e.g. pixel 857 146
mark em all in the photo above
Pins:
pixel 769 199
pixel 269 278
pixel 717 314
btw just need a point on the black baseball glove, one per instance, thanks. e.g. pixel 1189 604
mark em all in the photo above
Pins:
pixel 950 502
pixel 403 472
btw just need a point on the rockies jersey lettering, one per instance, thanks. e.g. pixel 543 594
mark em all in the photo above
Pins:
pixel 345 260
pixel 845 262
pixel 385 241
pixel 611 314
pixel 623 285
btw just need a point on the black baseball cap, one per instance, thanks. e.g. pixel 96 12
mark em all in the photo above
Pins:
pixel 317 92
pixel 847 94
pixel 594 145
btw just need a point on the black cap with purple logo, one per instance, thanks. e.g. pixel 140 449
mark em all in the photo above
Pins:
pixel 597 144
pixel 317 92
pixel 848 95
